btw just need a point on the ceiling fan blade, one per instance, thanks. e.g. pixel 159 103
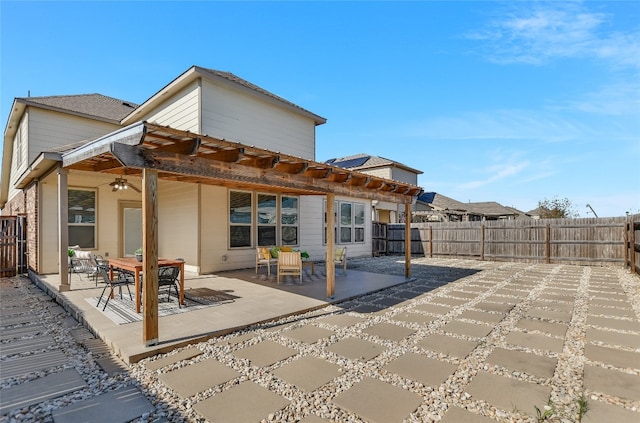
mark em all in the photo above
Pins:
pixel 134 188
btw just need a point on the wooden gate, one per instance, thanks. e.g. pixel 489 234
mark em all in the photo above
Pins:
pixel 13 246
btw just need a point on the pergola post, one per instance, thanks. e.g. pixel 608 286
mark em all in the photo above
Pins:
pixel 63 230
pixel 407 240
pixel 150 256
pixel 331 266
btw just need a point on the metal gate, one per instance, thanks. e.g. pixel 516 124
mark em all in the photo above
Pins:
pixel 13 245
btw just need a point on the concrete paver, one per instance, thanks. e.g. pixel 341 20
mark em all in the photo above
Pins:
pixel 557 329
pixel 186 354
pixel 265 353
pixel 389 331
pixel 378 402
pixel 308 333
pixel 460 415
pixel 613 338
pixel 532 340
pixel 508 393
pixel 356 349
pixel 612 382
pixel 190 380
pixel 411 317
pixel 122 405
pixel 468 329
pixel 613 356
pixel 523 362
pixel 421 369
pixel 448 345
pixel 619 324
pixel 247 402
pixel 308 373
pixel 599 412
pixel 482 316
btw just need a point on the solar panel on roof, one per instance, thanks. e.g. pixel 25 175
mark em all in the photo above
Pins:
pixel 358 161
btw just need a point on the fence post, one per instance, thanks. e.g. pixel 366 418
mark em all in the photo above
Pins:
pixel 482 242
pixel 430 241
pixel 633 246
pixel 626 243
pixel 548 243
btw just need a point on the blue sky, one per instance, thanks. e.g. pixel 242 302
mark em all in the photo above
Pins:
pixel 513 102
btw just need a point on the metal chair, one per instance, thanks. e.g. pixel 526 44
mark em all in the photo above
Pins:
pixel 112 284
pixel 168 277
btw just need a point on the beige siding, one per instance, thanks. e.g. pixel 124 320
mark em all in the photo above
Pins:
pixel 237 116
pixel 181 111
pixel 48 130
pixel 19 161
pixel 48 217
pixel 383 172
pixel 215 255
pixel 402 175
pixel 178 221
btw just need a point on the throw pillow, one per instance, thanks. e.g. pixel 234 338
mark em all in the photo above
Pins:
pixel 265 253
pixel 338 254
pixel 274 252
pixel 286 249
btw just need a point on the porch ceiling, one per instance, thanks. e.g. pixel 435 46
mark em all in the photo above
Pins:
pixel 187 157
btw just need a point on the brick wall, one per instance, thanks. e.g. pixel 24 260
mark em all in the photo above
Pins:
pixel 26 203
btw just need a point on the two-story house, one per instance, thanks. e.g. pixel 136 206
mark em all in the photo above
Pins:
pixel 229 166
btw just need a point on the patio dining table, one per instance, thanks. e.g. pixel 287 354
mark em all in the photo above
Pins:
pixel 134 266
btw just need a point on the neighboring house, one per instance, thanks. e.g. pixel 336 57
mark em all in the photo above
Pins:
pixel 229 166
pixel 434 207
pixel 384 212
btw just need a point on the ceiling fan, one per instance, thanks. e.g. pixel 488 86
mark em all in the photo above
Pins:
pixel 121 183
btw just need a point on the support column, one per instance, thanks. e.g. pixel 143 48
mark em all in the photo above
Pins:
pixel 63 230
pixel 150 256
pixel 331 266
pixel 407 240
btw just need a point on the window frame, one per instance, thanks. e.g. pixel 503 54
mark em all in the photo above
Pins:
pixel 86 224
pixel 231 224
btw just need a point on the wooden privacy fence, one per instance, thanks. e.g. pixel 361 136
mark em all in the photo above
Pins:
pixel 12 245
pixel 593 241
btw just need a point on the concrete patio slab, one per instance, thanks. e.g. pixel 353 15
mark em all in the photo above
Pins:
pixel 611 382
pixel 265 353
pixel 378 402
pixel 535 341
pixel 502 307
pixel 566 307
pixel 389 331
pixel 507 393
pixel 612 311
pixel 309 334
pixel 198 377
pixel 462 294
pixel 421 369
pixel 31 363
pixel 450 301
pixel 120 406
pixel 232 405
pixel 523 362
pixel 19 346
pixel 356 349
pixel 308 373
pixel 448 345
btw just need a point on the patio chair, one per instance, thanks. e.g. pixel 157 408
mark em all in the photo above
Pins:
pixel 168 277
pixel 340 259
pixel 289 263
pixel 84 262
pixel 263 258
pixel 112 284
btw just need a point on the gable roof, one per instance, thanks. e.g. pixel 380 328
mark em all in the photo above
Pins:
pixel 95 106
pixel 366 161
pixel 223 77
pixel 490 208
pixel 442 202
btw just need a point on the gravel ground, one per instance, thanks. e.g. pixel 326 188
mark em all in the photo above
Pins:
pixel 436 281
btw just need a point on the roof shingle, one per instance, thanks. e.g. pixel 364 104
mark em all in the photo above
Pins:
pixel 93 105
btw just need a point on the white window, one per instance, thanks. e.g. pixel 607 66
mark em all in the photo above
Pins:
pixel 82 218
pixel 240 219
pixel 274 218
pixel 289 220
pixel 350 222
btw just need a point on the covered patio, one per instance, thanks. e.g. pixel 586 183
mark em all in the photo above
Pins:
pixel 256 300
pixel 156 153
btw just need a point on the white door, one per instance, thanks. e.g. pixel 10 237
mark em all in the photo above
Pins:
pixel 131 218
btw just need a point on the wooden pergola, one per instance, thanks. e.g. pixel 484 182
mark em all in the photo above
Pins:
pixel 160 152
